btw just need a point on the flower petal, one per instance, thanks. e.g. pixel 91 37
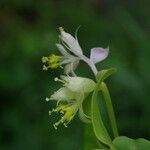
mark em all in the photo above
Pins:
pixel 98 54
pixel 63 94
pixel 70 67
pixel 79 84
pixel 70 41
pixel 62 50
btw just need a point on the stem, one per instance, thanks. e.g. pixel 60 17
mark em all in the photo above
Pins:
pixel 109 108
pixel 90 63
pixel 107 99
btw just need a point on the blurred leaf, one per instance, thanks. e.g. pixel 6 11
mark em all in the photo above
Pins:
pixel 125 143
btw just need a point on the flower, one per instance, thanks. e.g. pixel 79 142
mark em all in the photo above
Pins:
pixel 70 97
pixel 72 88
pixel 69 60
pixel 55 61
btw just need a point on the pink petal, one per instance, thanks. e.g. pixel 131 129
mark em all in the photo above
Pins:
pixel 98 54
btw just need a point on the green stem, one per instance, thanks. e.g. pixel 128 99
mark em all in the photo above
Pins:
pixel 109 108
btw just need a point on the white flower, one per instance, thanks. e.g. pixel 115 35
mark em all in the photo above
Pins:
pixel 54 61
pixel 72 88
pixel 72 93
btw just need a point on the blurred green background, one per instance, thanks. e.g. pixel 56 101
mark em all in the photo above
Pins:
pixel 29 30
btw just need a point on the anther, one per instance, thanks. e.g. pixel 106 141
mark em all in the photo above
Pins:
pixel 65 125
pixel 47 99
pixel 45 68
pixel 54 125
pixel 57 79
pixel 49 112
pixel 44 59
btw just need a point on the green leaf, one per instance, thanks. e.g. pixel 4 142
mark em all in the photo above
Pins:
pixel 109 107
pixel 90 141
pixel 103 74
pixel 98 126
pixel 125 143
pixel 83 116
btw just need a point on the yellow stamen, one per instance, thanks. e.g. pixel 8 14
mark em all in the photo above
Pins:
pixel 54 58
pixel 51 61
pixel 54 65
pixel 68 112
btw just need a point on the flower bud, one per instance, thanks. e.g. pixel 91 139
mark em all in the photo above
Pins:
pixel 70 41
